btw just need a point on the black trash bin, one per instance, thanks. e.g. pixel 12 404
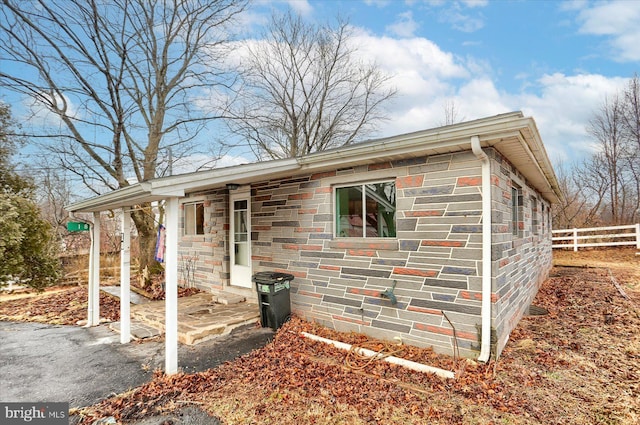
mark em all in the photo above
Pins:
pixel 274 299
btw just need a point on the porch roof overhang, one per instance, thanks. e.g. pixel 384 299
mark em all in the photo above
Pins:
pixel 512 134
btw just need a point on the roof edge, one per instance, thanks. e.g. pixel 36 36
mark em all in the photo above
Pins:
pixel 134 191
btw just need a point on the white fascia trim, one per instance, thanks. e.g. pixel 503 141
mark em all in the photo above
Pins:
pixel 425 141
pixel 535 160
pixel 136 192
pixel 371 152
pixel 541 158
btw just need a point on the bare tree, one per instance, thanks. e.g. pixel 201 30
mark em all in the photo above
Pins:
pixel 610 178
pixel 119 77
pixel 631 129
pixel 451 113
pixel 606 129
pixel 305 90
pixel 580 205
pixel 53 192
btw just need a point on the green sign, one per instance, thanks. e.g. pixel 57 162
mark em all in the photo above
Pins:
pixel 76 226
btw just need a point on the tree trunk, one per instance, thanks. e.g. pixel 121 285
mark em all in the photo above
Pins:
pixel 143 219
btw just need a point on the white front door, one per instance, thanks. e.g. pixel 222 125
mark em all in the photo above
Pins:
pixel 240 238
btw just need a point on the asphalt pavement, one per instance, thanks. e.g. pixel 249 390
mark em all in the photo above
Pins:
pixel 82 366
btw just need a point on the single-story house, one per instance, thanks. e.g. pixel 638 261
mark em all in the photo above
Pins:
pixel 454 222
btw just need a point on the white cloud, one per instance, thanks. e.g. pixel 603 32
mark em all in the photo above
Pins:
pixel 249 21
pixel 303 7
pixel 475 3
pixel 422 73
pixel 40 115
pixel 417 55
pixel 427 78
pixel 404 26
pixel 570 5
pixel 462 22
pixel 618 20
pixel 563 108
pixel 458 14
pixel 229 160
pixel 377 3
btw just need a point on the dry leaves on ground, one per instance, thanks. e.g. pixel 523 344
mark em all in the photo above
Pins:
pixel 579 364
pixel 65 307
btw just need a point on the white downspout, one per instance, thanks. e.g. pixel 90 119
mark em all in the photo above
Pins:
pixel 485 343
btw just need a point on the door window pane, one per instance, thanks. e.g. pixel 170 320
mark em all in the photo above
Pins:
pixel 240 234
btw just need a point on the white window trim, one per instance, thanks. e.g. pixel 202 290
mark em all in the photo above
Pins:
pixel 334 195
pixel 186 204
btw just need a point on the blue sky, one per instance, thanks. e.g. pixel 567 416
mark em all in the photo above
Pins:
pixel 555 61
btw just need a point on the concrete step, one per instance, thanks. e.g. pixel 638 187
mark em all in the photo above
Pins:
pixel 228 298
pixel 139 330
pixel 134 298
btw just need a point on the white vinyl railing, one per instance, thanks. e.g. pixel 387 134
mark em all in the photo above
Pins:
pixel 597 236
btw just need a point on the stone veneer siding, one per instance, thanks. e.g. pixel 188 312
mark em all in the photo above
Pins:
pixel 203 260
pixel 435 259
pixel 520 262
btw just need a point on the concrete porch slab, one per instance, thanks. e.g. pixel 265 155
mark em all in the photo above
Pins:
pixel 200 318
pixel 139 330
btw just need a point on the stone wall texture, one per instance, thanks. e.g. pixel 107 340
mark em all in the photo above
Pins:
pixel 435 261
pixel 203 260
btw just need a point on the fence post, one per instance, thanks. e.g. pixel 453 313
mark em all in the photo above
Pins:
pixel 575 240
pixel 637 235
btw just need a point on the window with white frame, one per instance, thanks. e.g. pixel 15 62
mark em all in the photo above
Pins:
pixel 194 218
pixel 516 207
pixel 366 210
pixel 534 215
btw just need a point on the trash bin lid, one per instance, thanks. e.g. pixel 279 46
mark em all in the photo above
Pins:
pixel 271 277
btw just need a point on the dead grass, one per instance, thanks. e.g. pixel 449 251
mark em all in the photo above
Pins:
pixel 58 306
pixel 625 262
pixel 576 365
pixel 30 293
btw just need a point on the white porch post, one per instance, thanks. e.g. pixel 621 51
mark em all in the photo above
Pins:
pixel 125 278
pixel 171 286
pixel 93 318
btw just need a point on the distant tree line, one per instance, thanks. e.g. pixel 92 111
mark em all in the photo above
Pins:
pixel 604 188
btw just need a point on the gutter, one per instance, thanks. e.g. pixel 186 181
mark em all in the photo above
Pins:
pixel 132 193
pixel 485 342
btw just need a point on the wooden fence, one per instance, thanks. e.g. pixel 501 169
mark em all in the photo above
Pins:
pixel 597 236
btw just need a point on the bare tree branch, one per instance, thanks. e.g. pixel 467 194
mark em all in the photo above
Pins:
pixel 115 78
pixel 305 90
